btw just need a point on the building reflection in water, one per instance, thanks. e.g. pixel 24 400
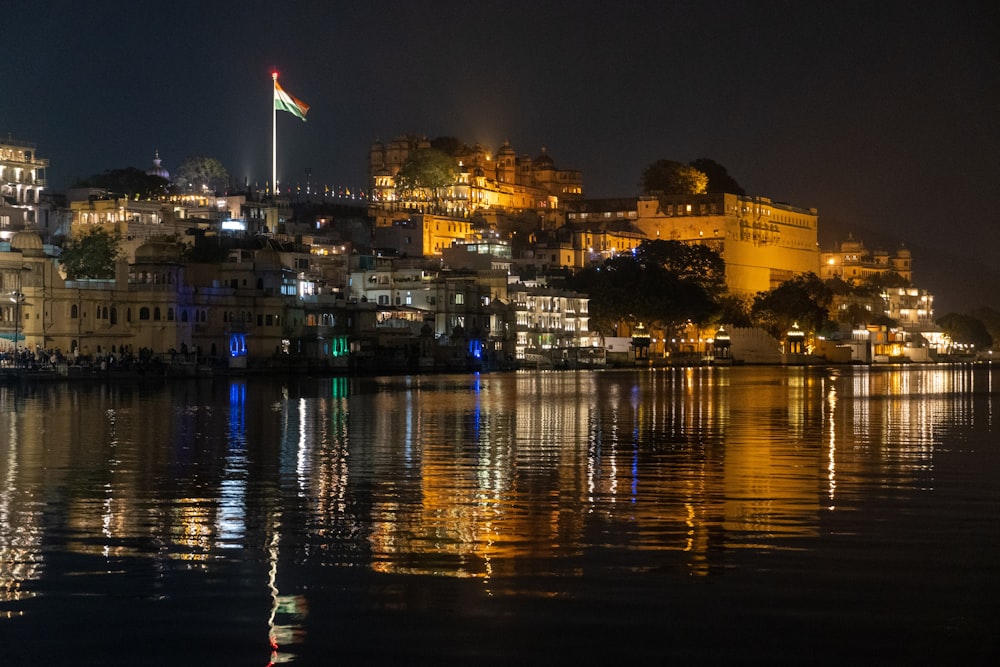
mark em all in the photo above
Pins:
pixel 20 511
pixel 493 476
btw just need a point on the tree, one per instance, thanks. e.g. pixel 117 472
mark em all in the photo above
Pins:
pixel 803 300
pixel 451 145
pixel 91 255
pixel 719 179
pixel 990 317
pixel 427 169
pixel 734 310
pixel 129 182
pixel 965 330
pixel 691 262
pixel 673 178
pixel 659 285
pixel 200 174
pixel 877 282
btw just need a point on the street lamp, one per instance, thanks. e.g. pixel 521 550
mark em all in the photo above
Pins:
pixel 16 298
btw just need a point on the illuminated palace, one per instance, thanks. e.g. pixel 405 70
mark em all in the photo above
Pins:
pixel 488 183
pixel 854 263
pixel 762 242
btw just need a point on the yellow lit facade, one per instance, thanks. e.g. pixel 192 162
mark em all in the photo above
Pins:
pixel 854 263
pixel 487 181
pixel 762 242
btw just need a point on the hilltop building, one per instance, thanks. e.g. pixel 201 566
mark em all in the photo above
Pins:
pixel 488 183
pixel 854 263
pixel 762 242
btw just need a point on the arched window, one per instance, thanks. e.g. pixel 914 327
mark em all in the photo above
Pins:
pixel 184 316
pixel 156 314
pixel 170 314
pixel 128 315
pixel 143 313
pixel 74 311
pixel 114 315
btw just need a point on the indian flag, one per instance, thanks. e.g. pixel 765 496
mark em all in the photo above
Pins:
pixel 285 102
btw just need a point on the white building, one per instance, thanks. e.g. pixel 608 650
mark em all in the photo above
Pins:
pixel 22 180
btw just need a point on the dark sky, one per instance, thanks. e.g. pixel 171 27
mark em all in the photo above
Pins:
pixel 885 116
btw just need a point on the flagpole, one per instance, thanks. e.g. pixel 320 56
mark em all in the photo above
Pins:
pixel 274 136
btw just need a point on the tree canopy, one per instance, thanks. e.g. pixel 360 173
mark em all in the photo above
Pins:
pixel 201 174
pixel 692 262
pixel 990 317
pixel 451 145
pixel 91 255
pixel 719 179
pixel 427 169
pixel 663 284
pixel 673 178
pixel 128 182
pixel 803 300
pixel 966 330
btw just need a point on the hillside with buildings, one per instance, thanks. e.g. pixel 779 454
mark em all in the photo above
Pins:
pixel 467 273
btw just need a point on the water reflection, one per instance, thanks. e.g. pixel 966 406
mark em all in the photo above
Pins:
pixel 495 477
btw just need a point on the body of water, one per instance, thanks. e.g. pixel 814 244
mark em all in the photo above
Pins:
pixel 714 515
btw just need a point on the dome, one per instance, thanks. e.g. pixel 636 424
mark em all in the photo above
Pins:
pixel 544 160
pixel 267 258
pixel 157 168
pixel 29 243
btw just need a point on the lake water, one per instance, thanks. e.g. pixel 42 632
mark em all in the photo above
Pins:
pixel 709 515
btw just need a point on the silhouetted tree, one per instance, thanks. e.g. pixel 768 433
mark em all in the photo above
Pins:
pixel 880 281
pixel 803 300
pixel 990 317
pixel 672 178
pixel 129 182
pixel 965 330
pixel 691 262
pixel 733 310
pixel 451 145
pixel 659 285
pixel 719 179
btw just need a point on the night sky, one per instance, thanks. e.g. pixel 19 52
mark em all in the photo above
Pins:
pixel 885 116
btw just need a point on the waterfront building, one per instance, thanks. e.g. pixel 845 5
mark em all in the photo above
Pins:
pixel 911 307
pixel 552 326
pixel 854 263
pixel 763 243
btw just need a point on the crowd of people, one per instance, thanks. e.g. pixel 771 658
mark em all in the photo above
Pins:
pixel 118 359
